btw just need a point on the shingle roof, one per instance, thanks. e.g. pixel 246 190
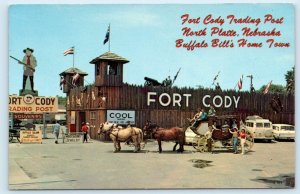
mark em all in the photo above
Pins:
pixel 109 56
pixel 73 70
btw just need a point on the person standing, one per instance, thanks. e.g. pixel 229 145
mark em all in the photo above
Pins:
pixel 88 131
pixel 29 68
pixel 84 130
pixel 56 129
pixel 243 137
pixel 208 136
pixel 234 133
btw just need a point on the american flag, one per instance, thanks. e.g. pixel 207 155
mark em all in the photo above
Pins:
pixel 240 83
pixel 69 51
pixel 75 78
pixel 267 87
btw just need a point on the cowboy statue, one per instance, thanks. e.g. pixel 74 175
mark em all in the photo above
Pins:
pixel 29 68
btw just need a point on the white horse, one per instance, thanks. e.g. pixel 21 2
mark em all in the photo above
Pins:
pixel 119 134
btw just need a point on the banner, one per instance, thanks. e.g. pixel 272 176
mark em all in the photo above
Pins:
pixel 27 116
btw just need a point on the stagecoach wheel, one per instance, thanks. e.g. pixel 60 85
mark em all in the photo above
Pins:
pixel 199 143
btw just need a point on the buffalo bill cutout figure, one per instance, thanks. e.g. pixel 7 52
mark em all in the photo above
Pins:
pixel 29 68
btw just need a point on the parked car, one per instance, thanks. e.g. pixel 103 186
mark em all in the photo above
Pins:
pixel 260 128
pixel 283 131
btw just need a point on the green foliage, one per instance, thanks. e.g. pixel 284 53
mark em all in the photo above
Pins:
pixel 290 80
pixel 274 88
pixel 61 100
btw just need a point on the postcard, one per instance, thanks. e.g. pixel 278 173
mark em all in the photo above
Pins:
pixel 151 96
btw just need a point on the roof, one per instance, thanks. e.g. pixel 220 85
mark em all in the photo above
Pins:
pixel 109 56
pixel 258 120
pixel 253 117
pixel 73 70
pixel 282 125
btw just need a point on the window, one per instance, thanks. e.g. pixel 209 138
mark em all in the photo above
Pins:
pixel 288 128
pixel 93 115
pixel 267 125
pixel 259 125
pixel 112 68
pixel 98 69
pixel 249 124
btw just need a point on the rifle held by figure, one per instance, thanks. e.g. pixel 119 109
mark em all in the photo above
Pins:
pixel 20 62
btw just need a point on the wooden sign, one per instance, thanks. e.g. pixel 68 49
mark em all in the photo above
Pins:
pixel 27 116
pixel 32 104
pixel 30 136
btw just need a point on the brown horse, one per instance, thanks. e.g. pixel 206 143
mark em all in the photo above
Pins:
pixel 162 134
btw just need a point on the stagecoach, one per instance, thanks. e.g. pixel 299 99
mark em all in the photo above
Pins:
pixel 221 137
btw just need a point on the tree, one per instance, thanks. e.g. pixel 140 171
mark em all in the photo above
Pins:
pixel 62 100
pixel 274 88
pixel 290 80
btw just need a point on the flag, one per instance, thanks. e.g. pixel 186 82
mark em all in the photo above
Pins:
pixel 69 51
pixel 215 78
pixel 62 82
pixel 267 87
pixel 75 78
pixel 240 83
pixel 107 35
pixel 175 77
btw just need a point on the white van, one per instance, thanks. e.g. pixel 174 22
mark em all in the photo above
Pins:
pixel 260 128
pixel 283 131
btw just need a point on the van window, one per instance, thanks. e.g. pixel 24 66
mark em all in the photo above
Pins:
pixel 259 125
pixel 288 128
pixel 249 124
pixel 267 125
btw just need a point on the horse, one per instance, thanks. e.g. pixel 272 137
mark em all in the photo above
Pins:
pixel 118 135
pixel 167 134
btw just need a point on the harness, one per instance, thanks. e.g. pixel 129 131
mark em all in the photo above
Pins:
pixel 117 135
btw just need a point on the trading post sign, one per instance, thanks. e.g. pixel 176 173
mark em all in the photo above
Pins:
pixel 30 104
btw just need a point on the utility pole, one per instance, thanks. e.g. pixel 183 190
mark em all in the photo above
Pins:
pixel 251 83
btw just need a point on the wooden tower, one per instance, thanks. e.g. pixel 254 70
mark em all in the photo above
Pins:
pixel 68 77
pixel 109 69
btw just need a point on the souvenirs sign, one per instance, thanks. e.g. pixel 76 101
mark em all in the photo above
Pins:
pixel 29 103
pixel 27 116
pixel 30 136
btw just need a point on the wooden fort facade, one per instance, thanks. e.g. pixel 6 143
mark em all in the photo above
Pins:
pixel 163 105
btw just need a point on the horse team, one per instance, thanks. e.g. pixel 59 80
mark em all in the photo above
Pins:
pixel 119 134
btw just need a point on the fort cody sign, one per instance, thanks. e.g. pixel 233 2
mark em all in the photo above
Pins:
pixel 29 104
pixel 179 100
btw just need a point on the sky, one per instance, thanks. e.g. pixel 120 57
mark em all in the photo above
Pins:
pixel 146 35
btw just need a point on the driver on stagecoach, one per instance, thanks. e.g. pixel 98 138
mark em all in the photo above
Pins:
pixel 200 116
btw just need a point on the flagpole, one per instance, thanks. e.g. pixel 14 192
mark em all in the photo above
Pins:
pixel 109 37
pixel 73 55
